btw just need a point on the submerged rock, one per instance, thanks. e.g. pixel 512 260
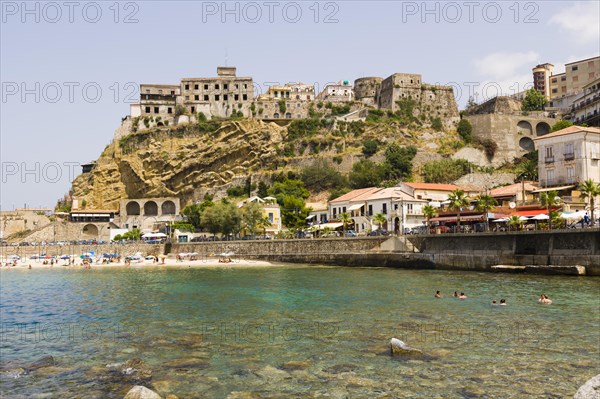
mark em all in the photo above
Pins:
pixel 589 390
pixel 45 361
pixel 15 372
pixel 340 368
pixel 137 369
pixel 399 348
pixel 271 373
pixel 140 392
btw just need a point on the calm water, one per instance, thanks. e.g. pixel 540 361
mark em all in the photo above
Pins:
pixel 298 332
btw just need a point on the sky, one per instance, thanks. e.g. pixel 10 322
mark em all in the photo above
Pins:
pixel 70 70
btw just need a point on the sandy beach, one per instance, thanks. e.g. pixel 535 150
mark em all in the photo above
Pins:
pixel 168 262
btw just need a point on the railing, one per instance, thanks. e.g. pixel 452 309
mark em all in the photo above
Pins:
pixel 569 156
pixel 549 159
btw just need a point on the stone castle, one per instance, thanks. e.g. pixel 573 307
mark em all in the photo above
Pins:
pixel 228 95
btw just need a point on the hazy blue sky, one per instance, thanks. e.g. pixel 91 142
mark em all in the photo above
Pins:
pixel 67 68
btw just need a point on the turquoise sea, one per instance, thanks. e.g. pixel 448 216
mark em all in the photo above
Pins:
pixel 296 332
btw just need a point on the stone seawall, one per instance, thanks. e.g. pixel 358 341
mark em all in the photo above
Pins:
pixel 283 248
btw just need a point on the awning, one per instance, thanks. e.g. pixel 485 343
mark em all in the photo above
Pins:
pixel 332 226
pixel 542 190
pixel 154 235
pixel 468 218
pixel 310 217
pixel 530 213
pixel 356 207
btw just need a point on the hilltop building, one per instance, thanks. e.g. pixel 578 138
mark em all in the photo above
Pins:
pixel 337 92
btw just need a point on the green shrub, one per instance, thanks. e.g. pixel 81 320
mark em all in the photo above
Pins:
pixel 445 170
pixel 465 130
pixel 370 147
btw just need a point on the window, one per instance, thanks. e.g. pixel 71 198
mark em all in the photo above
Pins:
pixel 395 207
pixel 574 68
pixel 217 97
pixel 148 91
pixel 569 148
pixel 575 78
pixel 550 174
pixel 554 90
pixel 205 87
pixel 172 92
pixel 187 98
pixel 187 87
pixel 236 97
pixel 156 110
pixel 570 173
pixel 196 87
pixel 245 97
pixel 169 110
pixel 548 152
pixel 271 217
pixel 344 209
pixel 384 209
pixel 554 80
pixel 225 86
pixel 225 97
pixel 216 87
pixel 245 86
pixel 206 97
pixel 563 78
pixel 237 86
pixel 147 110
pixel 193 110
pixel 196 97
pixel 160 91
pixel 370 210
pixel 276 94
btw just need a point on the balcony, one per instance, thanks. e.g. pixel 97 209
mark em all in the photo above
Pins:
pixel 595 155
pixel 569 156
pixel 549 159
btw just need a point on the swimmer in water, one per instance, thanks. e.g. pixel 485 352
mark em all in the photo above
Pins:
pixel 544 300
pixel 456 293
pixel 437 294
pixel 503 302
pixel 462 296
pixel 494 303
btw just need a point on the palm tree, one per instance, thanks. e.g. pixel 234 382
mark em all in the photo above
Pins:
pixel 380 219
pixel 429 212
pixel 549 199
pixel 458 200
pixel 589 189
pixel 263 223
pixel 486 203
pixel 346 220
pixel 515 221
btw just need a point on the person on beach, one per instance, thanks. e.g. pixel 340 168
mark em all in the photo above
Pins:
pixel 438 294
pixel 503 302
pixel 462 296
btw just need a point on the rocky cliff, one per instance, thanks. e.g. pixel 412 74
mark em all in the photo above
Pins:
pixel 188 160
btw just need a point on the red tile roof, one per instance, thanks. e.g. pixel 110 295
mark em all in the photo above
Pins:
pixel 512 189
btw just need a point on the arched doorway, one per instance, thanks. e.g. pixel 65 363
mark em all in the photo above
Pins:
pixel 150 208
pixel 526 144
pixel 397 225
pixel 132 208
pixel 90 230
pixel 525 128
pixel 542 129
pixel 168 208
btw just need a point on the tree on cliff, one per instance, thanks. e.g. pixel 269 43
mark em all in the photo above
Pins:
pixel 465 130
pixel 590 189
pixel 560 125
pixel 534 101
pixel 366 173
pixel 193 212
pixel 458 200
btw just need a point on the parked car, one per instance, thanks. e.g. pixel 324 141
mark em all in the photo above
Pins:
pixel 331 234
pixel 378 232
pixel 351 233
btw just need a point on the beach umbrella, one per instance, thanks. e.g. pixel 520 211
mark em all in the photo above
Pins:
pixel 501 220
pixel 523 219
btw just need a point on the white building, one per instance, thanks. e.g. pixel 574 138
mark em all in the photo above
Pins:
pixel 341 91
pixel 569 156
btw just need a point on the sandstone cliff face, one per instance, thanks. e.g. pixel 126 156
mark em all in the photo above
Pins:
pixel 188 160
pixel 177 162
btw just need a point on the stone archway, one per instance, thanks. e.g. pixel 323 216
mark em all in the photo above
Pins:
pixel 132 208
pixel 397 225
pixel 90 230
pixel 542 129
pixel 168 208
pixel 526 144
pixel 525 128
pixel 150 209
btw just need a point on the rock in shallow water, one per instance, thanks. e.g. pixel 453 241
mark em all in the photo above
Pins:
pixel 140 392
pixel 589 390
pixel 398 347
pixel 45 361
